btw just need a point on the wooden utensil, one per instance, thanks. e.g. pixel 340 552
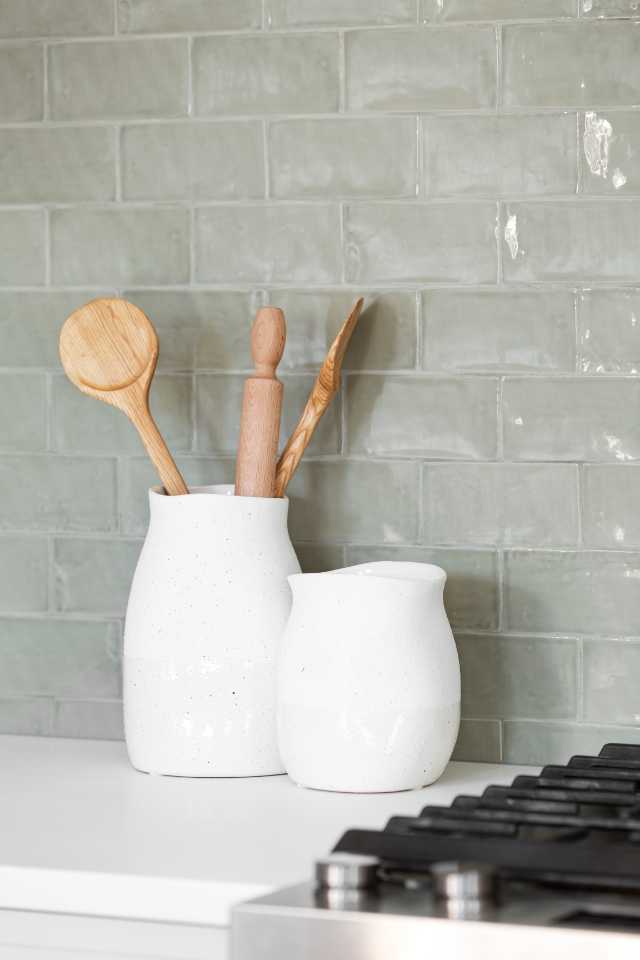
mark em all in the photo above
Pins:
pixel 261 407
pixel 109 350
pixel 324 389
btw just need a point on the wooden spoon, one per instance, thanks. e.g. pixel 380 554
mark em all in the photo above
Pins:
pixel 109 350
pixel 324 389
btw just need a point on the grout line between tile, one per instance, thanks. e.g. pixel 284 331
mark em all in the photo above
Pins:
pixel 579 163
pixel 421 532
pixel 500 580
pixel 580 504
pixel 342 73
pixel 421 321
pixel 576 330
pixel 265 158
pixel 422 186
pixel 45 83
pixel 192 247
pixel 193 411
pixel 51 575
pixel 190 76
pixel 48 414
pixel 461 113
pixel 500 420
pixel 117 133
pixel 499 69
pixel 343 252
pixel 580 679
pixel 46 227
pixel 498 232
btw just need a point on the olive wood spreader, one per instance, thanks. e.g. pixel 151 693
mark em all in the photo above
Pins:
pixel 261 408
pixel 109 350
pixel 322 393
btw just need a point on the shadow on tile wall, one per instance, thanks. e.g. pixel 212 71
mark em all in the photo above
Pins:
pixel 205 158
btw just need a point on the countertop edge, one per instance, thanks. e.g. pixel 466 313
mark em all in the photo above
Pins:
pixel 162 899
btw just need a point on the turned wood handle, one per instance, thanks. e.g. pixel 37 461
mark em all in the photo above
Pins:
pixel 261 408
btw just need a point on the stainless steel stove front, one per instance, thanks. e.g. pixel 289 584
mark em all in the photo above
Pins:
pixel 395 923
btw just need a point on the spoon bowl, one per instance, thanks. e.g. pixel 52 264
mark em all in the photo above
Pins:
pixel 109 350
pixel 107 345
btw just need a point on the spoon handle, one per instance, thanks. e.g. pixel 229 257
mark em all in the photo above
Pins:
pixel 300 438
pixel 158 451
pixel 322 393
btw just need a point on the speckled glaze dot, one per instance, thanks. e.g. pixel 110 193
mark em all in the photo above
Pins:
pixel 208 604
pixel 368 679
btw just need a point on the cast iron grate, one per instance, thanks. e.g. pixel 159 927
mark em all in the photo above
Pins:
pixel 574 825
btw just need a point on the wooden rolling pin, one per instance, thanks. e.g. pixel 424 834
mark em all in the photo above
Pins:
pixel 261 408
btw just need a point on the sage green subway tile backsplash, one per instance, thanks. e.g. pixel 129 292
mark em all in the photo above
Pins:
pixel 306 13
pixel 156 16
pixel 539 241
pixel 292 243
pixel 535 155
pixel 609 8
pixel 467 332
pixel 443 11
pixel 23 575
pixel 117 79
pixel 519 676
pixel 413 70
pixel 472 169
pixel 313 158
pixel 22 247
pixel 116 245
pixel 533 504
pixel 554 65
pixel 83 159
pixel 21 81
pixel 611 506
pixel 201 161
pixel 49 492
pixel 439 242
pixel 609 332
pixel 298 73
pixel 55 18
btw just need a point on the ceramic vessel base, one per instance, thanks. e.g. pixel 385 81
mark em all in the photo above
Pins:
pixel 203 719
pixel 387 752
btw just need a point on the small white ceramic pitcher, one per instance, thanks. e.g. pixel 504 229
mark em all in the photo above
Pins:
pixel 208 604
pixel 368 679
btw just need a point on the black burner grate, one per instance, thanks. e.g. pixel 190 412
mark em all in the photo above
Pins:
pixel 576 825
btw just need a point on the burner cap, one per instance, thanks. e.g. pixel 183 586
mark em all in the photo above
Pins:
pixel 347 871
pixel 464 881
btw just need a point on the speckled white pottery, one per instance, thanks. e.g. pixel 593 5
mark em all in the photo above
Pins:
pixel 368 679
pixel 208 604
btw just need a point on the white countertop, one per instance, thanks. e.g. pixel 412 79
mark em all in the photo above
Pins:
pixel 82 832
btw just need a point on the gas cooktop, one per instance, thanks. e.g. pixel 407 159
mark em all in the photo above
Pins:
pixel 550 863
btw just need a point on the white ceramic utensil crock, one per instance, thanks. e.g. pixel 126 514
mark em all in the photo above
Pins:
pixel 368 679
pixel 208 604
